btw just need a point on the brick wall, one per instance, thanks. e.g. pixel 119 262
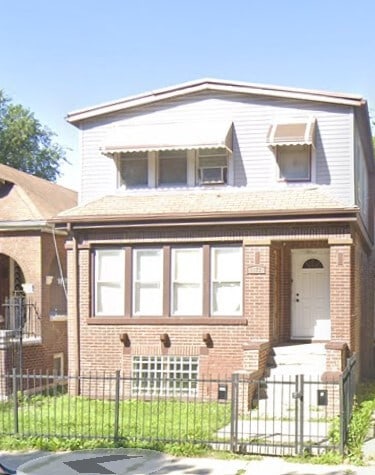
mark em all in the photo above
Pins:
pixel 266 317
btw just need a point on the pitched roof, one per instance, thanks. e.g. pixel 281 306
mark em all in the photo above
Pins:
pixel 191 203
pixel 217 85
pixel 25 197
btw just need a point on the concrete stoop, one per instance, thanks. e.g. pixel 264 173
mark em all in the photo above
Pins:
pixel 284 364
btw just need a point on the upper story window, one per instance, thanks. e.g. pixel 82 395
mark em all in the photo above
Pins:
pixel 293 142
pixel 171 168
pixel 133 170
pixel 294 162
pixel 212 166
pixel 172 154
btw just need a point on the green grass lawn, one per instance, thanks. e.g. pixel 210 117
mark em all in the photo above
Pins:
pixel 80 417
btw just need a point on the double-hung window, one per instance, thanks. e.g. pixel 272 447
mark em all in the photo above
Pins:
pixel 226 278
pixel 294 162
pixel 133 170
pixel 187 268
pixel 109 282
pixel 147 282
pixel 168 281
pixel 172 165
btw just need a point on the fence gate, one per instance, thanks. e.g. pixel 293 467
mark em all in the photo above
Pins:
pixel 286 416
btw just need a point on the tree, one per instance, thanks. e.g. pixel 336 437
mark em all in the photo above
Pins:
pixel 27 145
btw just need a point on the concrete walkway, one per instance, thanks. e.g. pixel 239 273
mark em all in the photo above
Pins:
pixel 148 462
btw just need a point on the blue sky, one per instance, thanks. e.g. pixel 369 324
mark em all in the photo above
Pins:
pixel 59 56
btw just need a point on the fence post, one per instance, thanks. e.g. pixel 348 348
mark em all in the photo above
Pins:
pixel 343 414
pixel 117 406
pixel 234 413
pixel 15 401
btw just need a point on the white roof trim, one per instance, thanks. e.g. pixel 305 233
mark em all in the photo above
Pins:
pixel 168 136
pixel 214 85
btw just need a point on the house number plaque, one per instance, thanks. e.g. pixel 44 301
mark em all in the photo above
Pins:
pixel 256 270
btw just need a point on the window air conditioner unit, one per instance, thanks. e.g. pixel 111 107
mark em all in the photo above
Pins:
pixel 209 175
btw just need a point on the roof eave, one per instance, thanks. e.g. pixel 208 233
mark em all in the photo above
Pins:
pixel 78 116
pixel 160 218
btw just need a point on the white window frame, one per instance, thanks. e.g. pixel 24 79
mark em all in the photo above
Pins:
pixel 127 158
pixel 115 283
pixel 233 283
pixel 311 164
pixel 165 375
pixel 223 169
pixel 139 283
pixel 176 283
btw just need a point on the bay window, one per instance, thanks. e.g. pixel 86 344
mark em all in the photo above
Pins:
pixel 168 281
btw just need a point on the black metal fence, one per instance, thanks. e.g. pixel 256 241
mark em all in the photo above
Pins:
pixel 290 415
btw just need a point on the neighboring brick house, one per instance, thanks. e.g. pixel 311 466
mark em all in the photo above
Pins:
pixel 32 267
pixel 218 220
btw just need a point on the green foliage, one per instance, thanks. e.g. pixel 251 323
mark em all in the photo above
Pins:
pixel 358 430
pixel 25 144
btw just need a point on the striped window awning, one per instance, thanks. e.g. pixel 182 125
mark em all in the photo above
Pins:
pixel 175 136
pixel 293 132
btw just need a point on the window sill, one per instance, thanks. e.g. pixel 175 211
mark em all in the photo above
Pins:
pixel 167 321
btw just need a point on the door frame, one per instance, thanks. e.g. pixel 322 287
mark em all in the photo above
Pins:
pixel 321 330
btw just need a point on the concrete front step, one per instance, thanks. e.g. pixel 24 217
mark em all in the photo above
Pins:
pixel 289 360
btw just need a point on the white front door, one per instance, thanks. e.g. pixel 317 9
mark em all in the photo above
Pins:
pixel 310 294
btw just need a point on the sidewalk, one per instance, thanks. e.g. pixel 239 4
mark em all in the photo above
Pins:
pixel 160 464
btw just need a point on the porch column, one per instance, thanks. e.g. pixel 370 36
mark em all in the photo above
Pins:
pixel 257 289
pixel 341 305
pixel 341 293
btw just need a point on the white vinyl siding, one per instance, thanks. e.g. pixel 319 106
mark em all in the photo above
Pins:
pixel 226 281
pixel 253 163
pixel 109 282
pixel 147 282
pixel 186 285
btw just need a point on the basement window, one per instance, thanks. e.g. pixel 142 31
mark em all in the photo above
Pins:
pixel 165 375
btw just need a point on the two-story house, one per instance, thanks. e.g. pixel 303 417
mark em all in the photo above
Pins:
pixel 217 221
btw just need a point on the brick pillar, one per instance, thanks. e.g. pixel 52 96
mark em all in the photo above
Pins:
pixel 341 295
pixel 257 289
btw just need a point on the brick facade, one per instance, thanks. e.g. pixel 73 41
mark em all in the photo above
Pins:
pixel 243 343
pixel 34 252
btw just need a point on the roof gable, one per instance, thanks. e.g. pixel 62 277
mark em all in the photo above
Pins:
pixel 215 85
